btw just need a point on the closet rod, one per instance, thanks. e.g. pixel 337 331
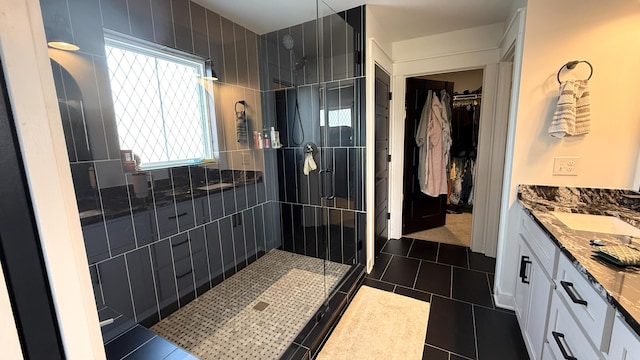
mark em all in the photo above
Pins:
pixel 467 97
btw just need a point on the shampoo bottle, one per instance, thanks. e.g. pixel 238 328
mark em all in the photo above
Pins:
pixel 274 141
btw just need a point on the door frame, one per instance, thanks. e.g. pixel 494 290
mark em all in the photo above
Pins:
pixel 374 145
pixel 375 55
pixel 487 60
pixel 31 89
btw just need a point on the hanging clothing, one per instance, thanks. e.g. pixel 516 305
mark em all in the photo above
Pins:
pixel 422 142
pixel 445 99
pixel 457 164
pixel 437 163
pixel 467 181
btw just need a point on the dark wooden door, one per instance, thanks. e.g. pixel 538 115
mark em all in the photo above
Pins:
pixel 419 211
pixel 382 157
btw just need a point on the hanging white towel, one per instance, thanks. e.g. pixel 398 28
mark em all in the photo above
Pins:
pixel 573 111
pixel 309 164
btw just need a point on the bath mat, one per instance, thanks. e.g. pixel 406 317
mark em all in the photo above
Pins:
pixel 379 325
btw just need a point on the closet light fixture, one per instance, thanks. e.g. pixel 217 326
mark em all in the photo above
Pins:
pixel 209 72
pixel 59 35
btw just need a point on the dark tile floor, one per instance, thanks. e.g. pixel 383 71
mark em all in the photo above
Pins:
pixel 464 323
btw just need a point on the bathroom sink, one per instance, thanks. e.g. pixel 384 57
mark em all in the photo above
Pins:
pixel 215 186
pixel 597 223
pixel 89 213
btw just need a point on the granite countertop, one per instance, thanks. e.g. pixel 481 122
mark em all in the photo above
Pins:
pixel 620 286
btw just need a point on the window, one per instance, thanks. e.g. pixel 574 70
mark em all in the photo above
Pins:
pixel 160 104
pixel 338 117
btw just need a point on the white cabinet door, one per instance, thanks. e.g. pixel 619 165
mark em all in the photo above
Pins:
pixel 541 288
pixel 533 294
pixel 625 344
pixel 523 290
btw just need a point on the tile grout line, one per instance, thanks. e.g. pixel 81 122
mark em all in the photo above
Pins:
pixel 451 284
pixel 440 263
pixel 386 267
pixel 475 332
pixel 468 303
pixel 139 346
pixel 410 247
pixel 155 286
pixel 415 280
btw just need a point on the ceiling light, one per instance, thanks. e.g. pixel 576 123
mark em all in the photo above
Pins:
pixel 59 34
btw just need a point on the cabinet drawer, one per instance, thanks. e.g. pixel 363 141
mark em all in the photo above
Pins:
pixel 543 248
pixel 167 221
pixel 186 215
pixel 564 337
pixel 594 314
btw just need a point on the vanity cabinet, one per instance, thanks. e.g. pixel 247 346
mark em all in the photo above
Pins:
pixel 591 311
pixel 560 312
pixel 537 256
pixel 625 343
pixel 580 320
pixel 565 339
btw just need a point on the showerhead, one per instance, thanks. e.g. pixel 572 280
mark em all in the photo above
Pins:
pixel 287 41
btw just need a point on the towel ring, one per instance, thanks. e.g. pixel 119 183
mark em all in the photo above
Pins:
pixel 572 65
pixel 241 103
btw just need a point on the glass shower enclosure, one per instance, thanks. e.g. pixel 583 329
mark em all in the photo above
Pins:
pixel 161 240
pixel 314 96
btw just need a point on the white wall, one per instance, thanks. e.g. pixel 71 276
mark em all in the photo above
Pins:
pixel 607 34
pixel 375 30
pixel 475 48
pixel 378 52
pixel 462 80
pixel 465 41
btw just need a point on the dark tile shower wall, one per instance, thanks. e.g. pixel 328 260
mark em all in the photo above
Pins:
pixel 292 86
pixel 152 251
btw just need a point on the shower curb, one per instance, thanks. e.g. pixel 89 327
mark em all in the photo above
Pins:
pixel 312 337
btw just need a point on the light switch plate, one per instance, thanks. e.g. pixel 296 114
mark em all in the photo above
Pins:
pixel 566 165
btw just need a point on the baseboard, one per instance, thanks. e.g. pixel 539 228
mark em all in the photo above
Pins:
pixel 504 300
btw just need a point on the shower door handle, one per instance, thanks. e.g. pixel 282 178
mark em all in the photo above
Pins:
pixel 323 184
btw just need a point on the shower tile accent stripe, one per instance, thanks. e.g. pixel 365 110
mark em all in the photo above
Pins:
pixel 231 321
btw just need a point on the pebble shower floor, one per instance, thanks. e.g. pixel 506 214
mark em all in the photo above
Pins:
pixel 256 313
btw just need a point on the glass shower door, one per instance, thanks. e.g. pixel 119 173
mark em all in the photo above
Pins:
pixel 341 150
pixel 312 83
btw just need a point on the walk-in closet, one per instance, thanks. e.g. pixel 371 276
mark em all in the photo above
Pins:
pixel 441 150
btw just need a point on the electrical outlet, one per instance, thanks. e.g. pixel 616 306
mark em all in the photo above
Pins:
pixel 566 165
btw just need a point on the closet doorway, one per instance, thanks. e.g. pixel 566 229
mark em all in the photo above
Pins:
pixel 446 216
